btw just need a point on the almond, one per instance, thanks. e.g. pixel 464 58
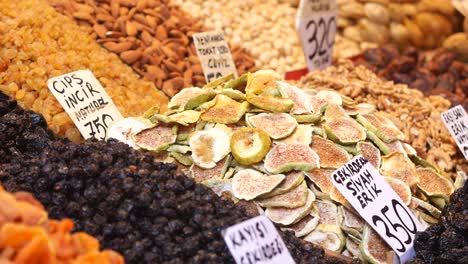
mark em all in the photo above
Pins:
pixel 130 56
pixel 115 8
pixel 100 30
pixel 83 16
pixel 161 33
pixel 131 28
pixel 118 47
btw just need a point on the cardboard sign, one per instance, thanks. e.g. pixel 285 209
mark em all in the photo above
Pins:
pixel 214 54
pixel 256 241
pixel 85 101
pixel 378 204
pixel 456 121
pixel 316 25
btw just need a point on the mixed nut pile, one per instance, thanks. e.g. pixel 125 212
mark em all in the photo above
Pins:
pixel 276 146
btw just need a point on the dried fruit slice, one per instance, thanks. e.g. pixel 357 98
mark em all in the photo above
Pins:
pixel 348 101
pixel 378 142
pixel 218 171
pixel 225 111
pixel 209 146
pixel 352 223
pixel 415 202
pixel 433 184
pixel 238 84
pixel 287 216
pixel 331 156
pixel 297 95
pixel 278 125
pixel 322 98
pixel 261 80
pixel 309 118
pixel 294 198
pixel 248 184
pixel 409 149
pixel 400 188
pixel 321 178
pixel 288 157
pixel 327 236
pixel 233 94
pixel 361 109
pixel 196 101
pixel 381 126
pixel 292 180
pixel 353 248
pixel 344 131
pixel 305 226
pixel 301 135
pixel 370 152
pixel 181 158
pixel 336 196
pixel 181 98
pixel 373 248
pixel 270 103
pixel 215 83
pixel 122 130
pixel 185 117
pixel 397 165
pixel 249 145
pixel 157 138
pixel 396 146
pixel 219 186
pixel 334 111
pixel 328 213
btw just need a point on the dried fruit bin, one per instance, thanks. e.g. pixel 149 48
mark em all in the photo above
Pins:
pixel 38 43
pixel 153 36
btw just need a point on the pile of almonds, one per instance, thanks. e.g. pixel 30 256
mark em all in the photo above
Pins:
pixel 153 36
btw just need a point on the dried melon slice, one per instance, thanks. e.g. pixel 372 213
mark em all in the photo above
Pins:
pixel 334 111
pixel 344 131
pixel 322 98
pixel 248 184
pixel 327 236
pixel 288 157
pixel 218 171
pixel 239 83
pixel 403 190
pixel 270 103
pixel 331 156
pixel 277 125
pixel 370 152
pixel 359 109
pixel 157 138
pixel 305 226
pixel 225 111
pixel 287 216
pixel 249 145
pixel 297 95
pixel 433 184
pixel 262 80
pixel 233 94
pixel 293 179
pixel 123 129
pixel 373 248
pixel 215 83
pixel 381 126
pixel 301 135
pixel 196 101
pixel 293 198
pixel 185 117
pixel 182 97
pixel 397 165
pixel 321 178
pixel 328 213
pixel 308 118
pixel 209 146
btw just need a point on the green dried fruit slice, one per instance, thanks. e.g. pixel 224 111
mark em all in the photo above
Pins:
pixel 288 157
pixel 304 226
pixel 270 103
pixel 327 236
pixel 275 92
pixel 179 148
pixel 353 248
pixel 370 152
pixel 262 80
pixel 276 125
pixel 352 223
pixel 344 131
pixel 196 101
pixel 206 105
pixel 460 180
pixel 200 174
pixel 328 213
pixel 248 184
pixel 297 95
pixel 336 196
pixel 301 135
pixel 287 216
pixel 334 111
pixel 157 138
pixel 381 126
pixel 360 109
pixel 409 149
pixel 292 180
pixel 233 94
pixel 225 111
pixel 401 188
pixel 220 186
pixel 249 145
pixel 396 146
pixel 181 98
pixel 209 146
pixel 322 98
pixel 348 101
pixel 239 83
pixel 181 158
pixel 309 118
pixel 123 130
pixel 433 184
pixel 321 178
pixel 294 198
pixel 415 202
pixel 397 165
pixel 331 156
pixel 378 142
pixel 219 81
pixel 185 117
pixel 373 248
pixel 439 202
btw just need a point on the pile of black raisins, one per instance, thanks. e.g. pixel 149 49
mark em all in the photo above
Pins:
pixel 125 198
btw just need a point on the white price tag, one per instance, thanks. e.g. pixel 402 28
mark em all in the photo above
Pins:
pixel 377 203
pixel 85 101
pixel 214 54
pixel 256 241
pixel 316 25
pixel 456 121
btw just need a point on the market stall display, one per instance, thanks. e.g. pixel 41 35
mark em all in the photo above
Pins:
pixel 153 36
pixel 38 43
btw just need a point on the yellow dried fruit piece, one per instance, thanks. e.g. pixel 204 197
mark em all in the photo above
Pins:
pixel 308 118
pixel 322 98
pixel 361 109
pixel 185 117
pixel 381 126
pixel 328 213
pixel 215 83
pixel 225 111
pixel 327 236
pixel 233 94
pixel 370 152
pixel 261 80
pixel 433 184
pixel 288 157
pixel 294 198
pixel 249 145
pixel 200 99
pixel 334 111
pixel 305 225
pixel 292 180
pixel 301 135
pixel 297 95
pixel 397 165
pixel 270 103
pixel 403 190
pixel 288 216
pixel 352 223
pixel 157 138
pixel 209 146
pixel 331 156
pixel 200 174
pixel 123 129
pixel 248 184
pixel 321 178
pixel 344 131
pixel 182 97
pixel 373 248
pixel 276 125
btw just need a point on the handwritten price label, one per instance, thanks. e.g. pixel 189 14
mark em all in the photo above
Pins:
pixel 85 101
pixel 377 203
pixel 456 121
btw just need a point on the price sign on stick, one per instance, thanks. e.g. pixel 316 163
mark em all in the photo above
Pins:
pixel 316 24
pixel 256 241
pixel 85 101
pixel 214 54
pixel 378 204
pixel 456 121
